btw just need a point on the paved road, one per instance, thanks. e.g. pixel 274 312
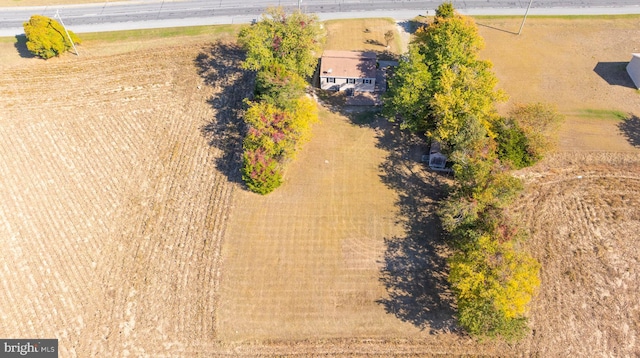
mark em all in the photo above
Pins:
pixel 109 16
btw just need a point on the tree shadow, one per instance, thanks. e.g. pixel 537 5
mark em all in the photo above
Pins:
pixel 411 26
pixel 374 42
pixel 630 128
pixel 615 73
pixel 219 66
pixel 414 270
pixel 21 47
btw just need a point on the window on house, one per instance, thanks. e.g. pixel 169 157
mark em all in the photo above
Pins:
pixel 351 80
pixel 331 80
pixel 366 81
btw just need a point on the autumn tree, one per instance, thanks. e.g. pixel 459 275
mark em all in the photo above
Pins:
pixel 443 69
pixel 445 11
pixel 47 38
pixel 282 49
pixel 290 40
pixel 442 89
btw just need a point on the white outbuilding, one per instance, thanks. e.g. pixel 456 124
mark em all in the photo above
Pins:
pixel 633 68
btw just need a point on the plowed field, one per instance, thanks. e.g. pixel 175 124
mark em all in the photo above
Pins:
pixel 112 207
pixel 124 231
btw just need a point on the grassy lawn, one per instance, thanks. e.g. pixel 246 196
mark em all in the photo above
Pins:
pixel 363 35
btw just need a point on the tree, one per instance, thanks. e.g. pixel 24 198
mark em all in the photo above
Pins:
pixel 388 37
pixel 445 11
pixel 409 92
pixel 444 90
pixel 441 86
pixel 290 40
pixel 46 38
pixel 525 136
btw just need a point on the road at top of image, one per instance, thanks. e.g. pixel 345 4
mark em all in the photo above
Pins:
pixel 129 15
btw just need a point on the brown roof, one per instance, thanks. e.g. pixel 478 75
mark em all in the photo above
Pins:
pixel 348 64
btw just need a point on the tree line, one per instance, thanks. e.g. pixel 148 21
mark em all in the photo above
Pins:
pixel 282 49
pixel 443 90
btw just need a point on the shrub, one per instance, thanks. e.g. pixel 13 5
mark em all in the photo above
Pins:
pixel 513 144
pixel 46 38
pixel 526 136
pixel 260 172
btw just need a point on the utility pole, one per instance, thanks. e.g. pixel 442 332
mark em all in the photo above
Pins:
pixel 299 1
pixel 67 32
pixel 525 17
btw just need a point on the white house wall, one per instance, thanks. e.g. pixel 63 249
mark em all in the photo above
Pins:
pixel 341 84
pixel 633 68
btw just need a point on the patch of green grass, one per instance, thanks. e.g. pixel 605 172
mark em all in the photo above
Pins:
pixel 605 114
pixel 363 117
pixel 146 34
pixel 565 17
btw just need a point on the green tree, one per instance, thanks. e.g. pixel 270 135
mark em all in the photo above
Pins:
pixel 261 172
pixel 445 11
pixel 441 87
pixel 290 40
pixel 409 92
pixel 527 134
pixel 279 86
pixel 46 37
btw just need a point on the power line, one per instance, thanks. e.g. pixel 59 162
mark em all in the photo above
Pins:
pixel 57 15
pixel 525 17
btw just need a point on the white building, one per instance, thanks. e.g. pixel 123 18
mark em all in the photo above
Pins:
pixel 633 68
pixel 342 70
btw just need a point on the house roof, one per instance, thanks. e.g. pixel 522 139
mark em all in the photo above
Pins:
pixel 348 64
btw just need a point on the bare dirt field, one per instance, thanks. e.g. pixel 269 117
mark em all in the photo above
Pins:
pixel 113 208
pixel 125 232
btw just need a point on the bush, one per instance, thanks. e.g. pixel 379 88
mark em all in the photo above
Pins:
pixel 513 144
pixel 526 135
pixel 260 172
pixel 46 38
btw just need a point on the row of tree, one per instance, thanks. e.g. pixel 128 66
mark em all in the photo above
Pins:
pixel 282 48
pixel 442 89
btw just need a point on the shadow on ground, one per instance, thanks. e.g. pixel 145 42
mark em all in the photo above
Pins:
pixel 21 47
pixel 414 269
pixel 219 66
pixel 630 129
pixel 615 73
pixel 497 28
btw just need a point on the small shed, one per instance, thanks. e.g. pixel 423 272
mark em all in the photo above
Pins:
pixel 633 68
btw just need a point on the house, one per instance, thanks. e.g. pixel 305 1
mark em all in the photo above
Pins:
pixel 633 68
pixel 348 70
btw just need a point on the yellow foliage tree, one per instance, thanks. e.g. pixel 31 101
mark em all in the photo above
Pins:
pixel 46 38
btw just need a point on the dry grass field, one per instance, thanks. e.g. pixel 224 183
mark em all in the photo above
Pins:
pixel 126 233
pixel 364 35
